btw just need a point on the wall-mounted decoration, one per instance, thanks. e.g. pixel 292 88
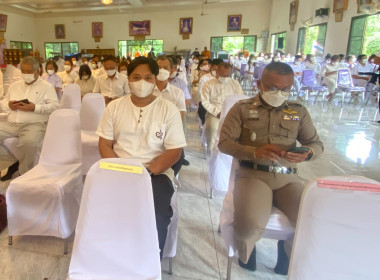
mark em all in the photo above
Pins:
pixel 97 29
pixel 293 12
pixel 137 28
pixel 340 6
pixel 3 23
pixel 60 31
pixel 186 25
pixel 234 23
pixel 368 6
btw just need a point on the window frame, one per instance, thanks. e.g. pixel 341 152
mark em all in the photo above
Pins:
pixel 305 28
pixel 278 33
pixel 255 36
pixel 22 42
pixel 61 46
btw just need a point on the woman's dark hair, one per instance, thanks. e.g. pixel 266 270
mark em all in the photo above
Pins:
pixel 84 69
pixel 122 64
pixel 140 61
pixel 70 61
pixel 372 56
pixel 55 66
pixel 335 58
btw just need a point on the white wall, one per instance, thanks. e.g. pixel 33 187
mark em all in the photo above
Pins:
pixel 20 27
pixel 337 32
pixel 164 25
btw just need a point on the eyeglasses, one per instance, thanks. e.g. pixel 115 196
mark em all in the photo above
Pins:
pixel 274 90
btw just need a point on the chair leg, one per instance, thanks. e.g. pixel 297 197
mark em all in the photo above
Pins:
pixel 65 246
pixel 229 265
pixel 10 240
pixel 211 193
pixel 219 229
pixel 171 266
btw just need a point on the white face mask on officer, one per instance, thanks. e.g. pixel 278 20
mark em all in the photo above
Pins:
pixel 141 88
pixel 274 98
pixel 163 75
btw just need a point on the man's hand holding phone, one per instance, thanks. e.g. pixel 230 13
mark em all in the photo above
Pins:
pixel 297 154
pixel 22 105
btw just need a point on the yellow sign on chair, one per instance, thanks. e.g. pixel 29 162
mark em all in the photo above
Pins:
pixel 121 167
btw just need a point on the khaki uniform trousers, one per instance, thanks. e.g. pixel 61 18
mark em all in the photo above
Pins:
pixel 211 130
pixel 254 194
pixel 30 138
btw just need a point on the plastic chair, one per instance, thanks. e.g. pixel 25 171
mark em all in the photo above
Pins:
pixel 259 70
pixel 346 86
pixel 309 84
pixel 91 112
pixel 338 229
pixel 220 164
pixel 71 97
pixel 45 200
pixel 278 226
pixel 116 235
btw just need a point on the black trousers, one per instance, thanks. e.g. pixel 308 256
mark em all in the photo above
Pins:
pixel 162 195
pixel 178 165
pixel 202 112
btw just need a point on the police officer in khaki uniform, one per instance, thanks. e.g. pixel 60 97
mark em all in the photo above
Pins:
pixel 261 133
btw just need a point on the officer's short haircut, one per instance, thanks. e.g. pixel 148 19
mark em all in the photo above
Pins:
pixel 279 68
pixel 225 65
pixel 216 61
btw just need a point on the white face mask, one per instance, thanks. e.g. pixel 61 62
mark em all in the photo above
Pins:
pixel 85 63
pixel 224 80
pixel 173 75
pixel 296 63
pixel 328 60
pixel 28 78
pixel 99 64
pixel 93 66
pixel 365 61
pixel 111 72
pixel 85 77
pixel 124 72
pixel 74 62
pixel 275 99
pixel 50 72
pixel 163 75
pixel 141 88
pixel 276 59
pixel 67 67
pixel 334 63
pixel 213 73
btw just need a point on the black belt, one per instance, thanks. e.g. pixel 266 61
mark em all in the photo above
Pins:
pixel 269 168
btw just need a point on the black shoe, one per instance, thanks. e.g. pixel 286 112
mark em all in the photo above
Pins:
pixel 11 170
pixel 251 264
pixel 282 265
pixel 185 162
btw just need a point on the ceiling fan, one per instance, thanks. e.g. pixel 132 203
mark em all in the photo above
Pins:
pixel 202 13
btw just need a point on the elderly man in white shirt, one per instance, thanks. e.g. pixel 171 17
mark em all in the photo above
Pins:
pixel 29 102
pixel 163 87
pixel 179 83
pixel 214 92
pixel 112 84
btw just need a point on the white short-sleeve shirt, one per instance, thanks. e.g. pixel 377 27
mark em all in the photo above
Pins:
pixel 174 95
pixel 142 133
pixel 116 87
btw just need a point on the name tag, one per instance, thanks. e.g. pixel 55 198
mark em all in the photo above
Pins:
pixel 121 167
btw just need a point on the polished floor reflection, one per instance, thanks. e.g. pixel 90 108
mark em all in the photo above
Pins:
pixel 351 139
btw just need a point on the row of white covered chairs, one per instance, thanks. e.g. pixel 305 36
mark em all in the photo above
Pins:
pixel 116 208
pixel 335 211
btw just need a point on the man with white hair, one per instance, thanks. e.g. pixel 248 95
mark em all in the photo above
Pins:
pixel 29 102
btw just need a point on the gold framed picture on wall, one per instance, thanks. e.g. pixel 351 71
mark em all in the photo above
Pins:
pixel 293 12
pixel 3 23
pixel 137 28
pixel 340 6
pixel 59 31
pixel 186 25
pixel 97 29
pixel 234 23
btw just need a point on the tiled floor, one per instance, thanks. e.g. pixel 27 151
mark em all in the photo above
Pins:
pixel 351 142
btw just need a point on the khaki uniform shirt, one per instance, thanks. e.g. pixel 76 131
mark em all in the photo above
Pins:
pixel 250 124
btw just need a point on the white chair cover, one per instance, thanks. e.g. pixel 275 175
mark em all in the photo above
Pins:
pixel 170 249
pixel 116 235
pixel 338 230
pixel 220 164
pixel 71 97
pixel 91 112
pixel 45 200
pixel 278 226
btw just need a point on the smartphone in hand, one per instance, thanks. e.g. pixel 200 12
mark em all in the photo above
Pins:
pixel 26 101
pixel 298 150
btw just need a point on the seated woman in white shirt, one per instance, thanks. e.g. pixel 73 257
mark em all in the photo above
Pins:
pixel 52 77
pixel 311 64
pixel 86 80
pixel 122 68
pixel 68 76
pixel 361 73
pixel 147 128
pixel 330 75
